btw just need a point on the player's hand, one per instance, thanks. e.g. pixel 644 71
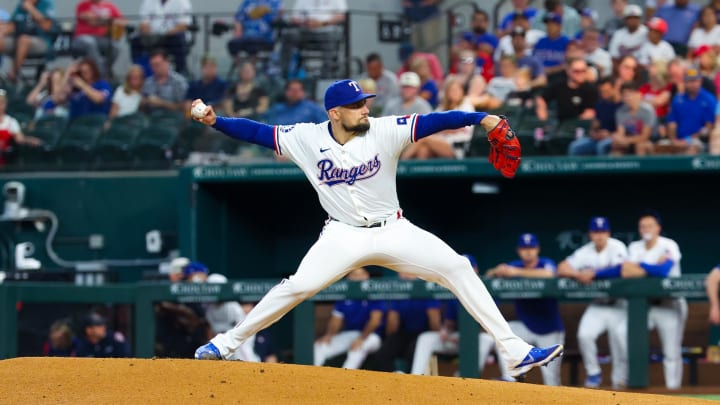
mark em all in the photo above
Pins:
pixel 714 316
pixel 208 118
pixel 505 148
pixel 632 270
pixel 585 277
pixel 357 344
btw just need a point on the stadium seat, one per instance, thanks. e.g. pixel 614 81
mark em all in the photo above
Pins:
pixel 74 151
pixel 135 120
pixel 154 147
pixel 479 145
pixel 112 150
pixel 165 118
pixel 49 130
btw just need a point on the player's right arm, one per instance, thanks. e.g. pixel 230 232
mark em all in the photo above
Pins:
pixel 239 128
pixel 565 269
pixel 712 284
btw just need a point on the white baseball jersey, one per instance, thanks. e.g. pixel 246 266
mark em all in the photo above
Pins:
pixel 624 42
pixel 700 37
pixel 664 247
pixel 586 256
pixel 650 53
pixel 356 181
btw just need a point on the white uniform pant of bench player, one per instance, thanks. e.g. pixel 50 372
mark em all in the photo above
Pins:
pixel 596 320
pixel 341 343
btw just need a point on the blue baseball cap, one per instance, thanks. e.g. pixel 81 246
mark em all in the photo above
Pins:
pixel 528 240
pixel 194 267
pixel 599 224
pixel 553 17
pixel 344 92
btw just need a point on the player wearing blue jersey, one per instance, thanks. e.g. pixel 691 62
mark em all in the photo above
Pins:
pixel 351 161
pixel 353 328
pixel 539 320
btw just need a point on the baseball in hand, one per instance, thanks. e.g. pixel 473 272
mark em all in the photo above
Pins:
pixel 199 110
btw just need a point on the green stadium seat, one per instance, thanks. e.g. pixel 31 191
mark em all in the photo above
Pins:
pixel 74 150
pixel 42 156
pixel 479 145
pixel 135 120
pixel 531 146
pixel 165 118
pixel 112 150
pixel 155 146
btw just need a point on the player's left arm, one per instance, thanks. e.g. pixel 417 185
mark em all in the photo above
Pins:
pixel 392 324
pixel 432 123
pixel 434 318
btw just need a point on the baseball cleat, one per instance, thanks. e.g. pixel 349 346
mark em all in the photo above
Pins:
pixel 593 381
pixel 208 352
pixel 537 357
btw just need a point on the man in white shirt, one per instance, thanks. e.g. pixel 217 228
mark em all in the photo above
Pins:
pixel 520 22
pixel 595 54
pixel 603 314
pixel 656 49
pixel 629 40
pixel 386 82
pixel 164 24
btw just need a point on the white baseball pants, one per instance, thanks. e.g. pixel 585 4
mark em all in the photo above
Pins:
pixel 551 372
pixel 430 342
pixel 341 343
pixel 246 351
pixel 400 246
pixel 669 320
pixel 596 320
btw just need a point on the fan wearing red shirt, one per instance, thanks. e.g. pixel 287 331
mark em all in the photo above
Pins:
pixel 93 37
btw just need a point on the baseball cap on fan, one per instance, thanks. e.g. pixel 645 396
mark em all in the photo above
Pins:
pixel 528 240
pixel 410 79
pixel 632 10
pixel 599 224
pixel 657 24
pixel 344 92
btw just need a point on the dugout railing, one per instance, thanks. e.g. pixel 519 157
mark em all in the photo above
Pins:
pixel 142 296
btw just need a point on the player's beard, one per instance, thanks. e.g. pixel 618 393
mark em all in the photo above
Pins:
pixel 358 128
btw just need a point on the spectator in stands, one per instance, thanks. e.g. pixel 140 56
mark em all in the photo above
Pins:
pixel 677 69
pixel 596 56
pixel 386 82
pixel 408 54
pixel 425 17
pixel 166 88
pixel 651 6
pixel 61 340
pixel 164 24
pixel 570 17
pixel 656 49
pixel 602 315
pixel 691 117
pixel 98 341
pixel 406 319
pixel 656 92
pixel 706 62
pixel 712 283
pixel 89 93
pixel 628 70
pixel 96 20
pixel 353 328
pixel 629 40
pixel 428 87
pixel 30 32
pixel 706 33
pixel 479 36
pixel 296 107
pixel 538 320
pixel 532 36
pixel 253 30
pixel 447 144
pixel 635 120
pixel 210 88
pixel 550 50
pixel 510 80
pixel 315 22
pixel 247 98
pixel 681 16
pixel 409 101
pixel 657 256
pixel 575 97
pixel 588 20
pixel 616 22
pixel 474 85
pixel 127 97
pixel 597 141
pixel 519 7
pixel 50 94
pixel 525 60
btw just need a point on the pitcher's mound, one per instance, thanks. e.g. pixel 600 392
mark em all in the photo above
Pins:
pixel 141 381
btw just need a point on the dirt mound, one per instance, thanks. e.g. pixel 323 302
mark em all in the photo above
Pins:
pixel 142 381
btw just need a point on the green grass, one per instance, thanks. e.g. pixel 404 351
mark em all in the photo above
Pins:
pixel 710 397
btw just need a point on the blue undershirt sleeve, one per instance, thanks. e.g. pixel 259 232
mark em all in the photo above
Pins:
pixel 247 130
pixel 428 124
pixel 609 272
pixel 658 270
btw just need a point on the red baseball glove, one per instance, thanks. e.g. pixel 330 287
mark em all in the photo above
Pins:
pixel 505 148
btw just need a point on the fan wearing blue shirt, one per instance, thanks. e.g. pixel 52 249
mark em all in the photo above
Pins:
pixel 210 88
pixel 550 50
pixel 296 107
pixel 406 319
pixel 353 328
pixel 90 94
pixel 691 116
pixel 539 319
